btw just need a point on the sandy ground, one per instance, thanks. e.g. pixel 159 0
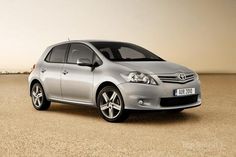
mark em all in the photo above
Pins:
pixel 67 130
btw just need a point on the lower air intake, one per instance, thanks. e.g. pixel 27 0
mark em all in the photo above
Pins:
pixel 178 101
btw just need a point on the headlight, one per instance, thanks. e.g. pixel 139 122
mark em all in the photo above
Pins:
pixel 138 77
pixel 196 76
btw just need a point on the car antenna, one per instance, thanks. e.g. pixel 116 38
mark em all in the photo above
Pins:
pixel 68 39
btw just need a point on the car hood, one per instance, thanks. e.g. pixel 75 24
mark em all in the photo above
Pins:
pixel 155 67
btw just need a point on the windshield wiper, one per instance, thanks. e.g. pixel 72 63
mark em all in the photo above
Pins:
pixel 142 59
pixel 137 59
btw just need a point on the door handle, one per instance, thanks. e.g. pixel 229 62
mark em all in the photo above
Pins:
pixel 43 70
pixel 65 72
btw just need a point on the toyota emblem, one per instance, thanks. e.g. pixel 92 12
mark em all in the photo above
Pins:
pixel 182 76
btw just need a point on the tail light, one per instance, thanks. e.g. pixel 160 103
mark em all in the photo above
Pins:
pixel 33 67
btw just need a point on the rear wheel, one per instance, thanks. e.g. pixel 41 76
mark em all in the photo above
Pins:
pixel 39 99
pixel 111 104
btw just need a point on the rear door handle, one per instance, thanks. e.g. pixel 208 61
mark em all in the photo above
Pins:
pixel 43 70
pixel 65 72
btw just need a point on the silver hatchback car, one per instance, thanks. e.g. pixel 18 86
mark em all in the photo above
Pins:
pixel 114 77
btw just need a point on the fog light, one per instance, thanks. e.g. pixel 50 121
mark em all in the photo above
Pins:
pixel 140 102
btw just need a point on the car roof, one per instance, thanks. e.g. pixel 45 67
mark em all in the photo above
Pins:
pixel 84 41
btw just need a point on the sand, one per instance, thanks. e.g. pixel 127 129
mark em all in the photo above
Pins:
pixel 67 130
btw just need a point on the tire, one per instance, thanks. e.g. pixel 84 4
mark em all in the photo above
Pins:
pixel 38 97
pixel 111 105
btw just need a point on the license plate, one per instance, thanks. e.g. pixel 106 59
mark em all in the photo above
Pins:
pixel 184 91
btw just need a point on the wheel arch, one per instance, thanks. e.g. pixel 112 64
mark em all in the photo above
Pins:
pixel 102 85
pixel 33 82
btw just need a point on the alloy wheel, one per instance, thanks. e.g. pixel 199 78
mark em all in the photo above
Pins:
pixel 37 95
pixel 110 104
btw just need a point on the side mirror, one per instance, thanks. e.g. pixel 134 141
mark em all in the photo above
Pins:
pixel 84 62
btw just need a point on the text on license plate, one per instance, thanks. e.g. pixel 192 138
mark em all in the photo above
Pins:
pixel 184 91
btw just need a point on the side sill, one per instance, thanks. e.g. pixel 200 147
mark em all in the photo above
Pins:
pixel 72 102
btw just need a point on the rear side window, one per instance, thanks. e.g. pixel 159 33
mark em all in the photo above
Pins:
pixel 57 54
pixel 78 52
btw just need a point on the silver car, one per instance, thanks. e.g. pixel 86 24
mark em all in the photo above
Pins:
pixel 114 77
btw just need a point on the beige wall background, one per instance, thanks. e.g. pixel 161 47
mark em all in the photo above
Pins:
pixel 200 34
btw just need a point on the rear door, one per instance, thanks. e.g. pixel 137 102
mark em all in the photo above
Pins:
pixel 51 71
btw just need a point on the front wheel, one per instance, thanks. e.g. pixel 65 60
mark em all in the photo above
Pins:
pixel 111 104
pixel 39 99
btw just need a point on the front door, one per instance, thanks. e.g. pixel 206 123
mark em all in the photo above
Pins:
pixel 77 81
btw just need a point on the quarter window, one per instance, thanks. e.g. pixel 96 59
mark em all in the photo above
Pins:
pixel 78 52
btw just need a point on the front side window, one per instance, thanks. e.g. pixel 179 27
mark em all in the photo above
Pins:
pixel 79 52
pixel 57 54
pixel 118 51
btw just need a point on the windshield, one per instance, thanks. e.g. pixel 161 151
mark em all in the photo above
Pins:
pixel 118 51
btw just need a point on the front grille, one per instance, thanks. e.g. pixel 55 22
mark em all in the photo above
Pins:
pixel 175 79
pixel 178 101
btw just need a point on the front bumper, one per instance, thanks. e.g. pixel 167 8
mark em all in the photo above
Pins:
pixel 151 95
